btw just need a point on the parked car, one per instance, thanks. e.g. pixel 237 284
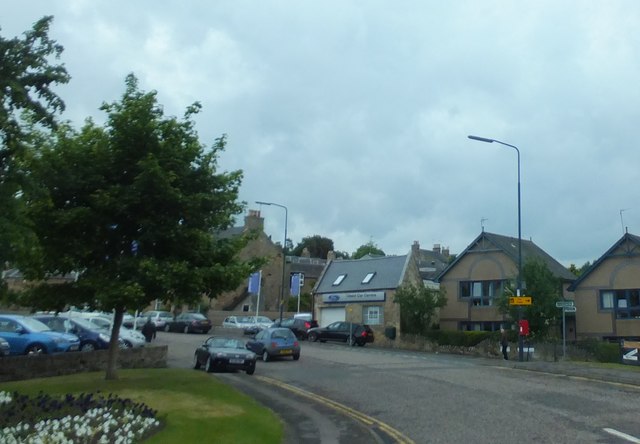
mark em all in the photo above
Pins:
pixel 300 327
pixel 28 336
pixel 275 342
pixel 348 332
pixel 131 338
pixel 256 323
pixel 91 336
pixel 5 348
pixel 189 323
pixel 158 317
pixel 219 353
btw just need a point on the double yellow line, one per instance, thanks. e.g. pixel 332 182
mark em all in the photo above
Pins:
pixel 358 416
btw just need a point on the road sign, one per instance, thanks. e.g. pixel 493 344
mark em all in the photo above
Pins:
pixel 520 300
pixel 564 304
pixel 570 309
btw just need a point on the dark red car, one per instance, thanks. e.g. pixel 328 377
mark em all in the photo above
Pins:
pixel 189 323
pixel 349 332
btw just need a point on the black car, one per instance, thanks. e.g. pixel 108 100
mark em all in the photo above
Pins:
pixel 219 353
pixel 348 332
pixel 91 336
pixel 189 323
pixel 299 327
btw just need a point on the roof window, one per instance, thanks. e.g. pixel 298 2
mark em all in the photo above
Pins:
pixel 339 279
pixel 368 277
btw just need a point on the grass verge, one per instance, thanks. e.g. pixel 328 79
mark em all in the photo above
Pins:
pixel 193 406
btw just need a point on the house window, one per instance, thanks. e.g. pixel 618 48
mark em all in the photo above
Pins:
pixel 625 303
pixel 480 326
pixel 481 293
pixel 368 277
pixel 372 315
pixel 339 280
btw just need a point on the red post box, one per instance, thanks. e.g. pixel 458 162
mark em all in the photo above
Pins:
pixel 524 327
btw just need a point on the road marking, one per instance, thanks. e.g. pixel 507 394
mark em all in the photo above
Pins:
pixel 622 435
pixel 358 416
pixel 577 378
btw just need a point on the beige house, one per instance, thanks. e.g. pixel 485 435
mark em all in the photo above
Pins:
pixel 607 295
pixel 363 290
pixel 480 273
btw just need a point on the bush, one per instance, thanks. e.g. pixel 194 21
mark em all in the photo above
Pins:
pixel 457 338
pixel 601 351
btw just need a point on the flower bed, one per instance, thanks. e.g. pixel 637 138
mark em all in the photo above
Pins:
pixel 86 418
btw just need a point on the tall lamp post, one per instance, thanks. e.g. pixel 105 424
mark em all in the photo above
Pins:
pixel 284 259
pixel 519 282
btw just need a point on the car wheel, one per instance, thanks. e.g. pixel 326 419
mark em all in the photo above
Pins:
pixel 265 356
pixel 313 337
pixel 251 370
pixel 87 346
pixel 360 343
pixel 351 341
pixel 186 329
pixel 196 362
pixel 35 349
pixel 166 328
pixel 209 366
pixel 296 356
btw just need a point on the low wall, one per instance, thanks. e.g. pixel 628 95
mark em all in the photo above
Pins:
pixel 13 368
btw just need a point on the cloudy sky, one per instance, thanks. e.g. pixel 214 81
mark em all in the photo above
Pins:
pixel 355 114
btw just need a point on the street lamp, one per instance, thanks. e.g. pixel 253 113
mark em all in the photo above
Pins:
pixel 284 259
pixel 519 282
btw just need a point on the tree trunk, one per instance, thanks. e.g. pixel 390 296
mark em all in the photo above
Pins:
pixel 114 347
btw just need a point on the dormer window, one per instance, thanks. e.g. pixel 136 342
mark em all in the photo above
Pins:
pixel 339 280
pixel 368 277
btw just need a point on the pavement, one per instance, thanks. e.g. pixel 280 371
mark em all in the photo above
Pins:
pixel 617 374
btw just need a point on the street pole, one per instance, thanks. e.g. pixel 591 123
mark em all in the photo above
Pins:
pixel 519 282
pixel 284 258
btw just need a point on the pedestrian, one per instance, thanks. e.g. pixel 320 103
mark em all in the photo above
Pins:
pixel 149 330
pixel 504 342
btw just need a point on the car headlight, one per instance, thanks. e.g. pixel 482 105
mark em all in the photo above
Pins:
pixel 104 337
pixel 251 356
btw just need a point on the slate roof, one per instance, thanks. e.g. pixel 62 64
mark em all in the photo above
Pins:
pixel 509 246
pixel 389 272
pixel 431 264
pixel 633 239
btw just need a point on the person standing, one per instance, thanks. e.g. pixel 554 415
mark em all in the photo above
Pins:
pixel 149 330
pixel 504 342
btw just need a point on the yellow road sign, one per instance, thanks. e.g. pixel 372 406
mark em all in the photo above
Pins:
pixel 520 300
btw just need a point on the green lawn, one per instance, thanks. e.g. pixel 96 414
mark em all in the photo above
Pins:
pixel 194 406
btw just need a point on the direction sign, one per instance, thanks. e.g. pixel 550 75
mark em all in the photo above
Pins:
pixel 564 304
pixel 570 309
pixel 520 300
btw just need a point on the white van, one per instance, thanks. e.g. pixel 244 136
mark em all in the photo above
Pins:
pixel 303 316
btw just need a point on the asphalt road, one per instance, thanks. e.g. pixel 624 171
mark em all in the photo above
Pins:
pixel 429 398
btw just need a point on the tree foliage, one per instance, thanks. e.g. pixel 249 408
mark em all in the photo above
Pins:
pixel 26 99
pixel 134 206
pixel 579 271
pixel 418 306
pixel 318 246
pixel 369 248
pixel 544 288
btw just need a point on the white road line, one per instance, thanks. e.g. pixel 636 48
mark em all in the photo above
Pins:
pixel 622 435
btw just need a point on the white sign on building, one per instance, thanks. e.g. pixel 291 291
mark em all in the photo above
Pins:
pixel 347 298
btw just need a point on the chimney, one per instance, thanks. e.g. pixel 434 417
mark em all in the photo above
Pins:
pixel 436 248
pixel 445 252
pixel 331 255
pixel 253 221
pixel 415 248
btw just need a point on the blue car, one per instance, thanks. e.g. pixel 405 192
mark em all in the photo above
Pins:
pixel 91 336
pixel 28 336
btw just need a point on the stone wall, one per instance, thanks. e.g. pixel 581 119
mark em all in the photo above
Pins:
pixel 13 368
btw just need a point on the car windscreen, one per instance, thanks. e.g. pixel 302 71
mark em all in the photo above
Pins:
pixel 197 316
pixel 227 343
pixel 87 325
pixel 35 325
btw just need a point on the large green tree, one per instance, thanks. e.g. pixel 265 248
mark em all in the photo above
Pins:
pixel 418 306
pixel 370 248
pixel 544 288
pixel 27 76
pixel 134 207
pixel 318 246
